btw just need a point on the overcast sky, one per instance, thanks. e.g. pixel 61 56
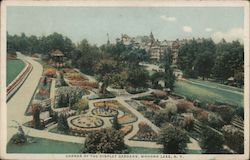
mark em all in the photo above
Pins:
pixel 93 23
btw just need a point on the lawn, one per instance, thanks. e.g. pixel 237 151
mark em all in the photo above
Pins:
pixel 14 67
pixel 217 85
pixel 209 92
pixel 41 145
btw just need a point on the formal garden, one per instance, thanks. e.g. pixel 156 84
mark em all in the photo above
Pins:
pixel 104 99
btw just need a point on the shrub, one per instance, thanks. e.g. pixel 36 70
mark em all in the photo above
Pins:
pixel 151 105
pixel 145 133
pixel 170 107
pixel 215 120
pixel 183 106
pixel 36 108
pixel 202 116
pixel 234 138
pixel 18 139
pixel 240 112
pixel 132 90
pixel 160 118
pixel 62 123
pixel 81 105
pixel 211 141
pixel 226 113
pixel 105 141
pixel 141 108
pixel 174 139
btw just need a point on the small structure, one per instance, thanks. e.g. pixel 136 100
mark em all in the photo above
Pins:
pixel 57 58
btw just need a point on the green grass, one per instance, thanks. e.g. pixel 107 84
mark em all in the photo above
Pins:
pixel 142 150
pixel 42 145
pixel 209 93
pixel 218 85
pixel 14 67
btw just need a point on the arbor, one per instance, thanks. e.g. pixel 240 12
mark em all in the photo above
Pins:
pixel 105 141
pixel 211 141
pixel 174 139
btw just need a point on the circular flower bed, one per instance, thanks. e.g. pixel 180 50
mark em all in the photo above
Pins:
pixel 84 122
pixel 105 111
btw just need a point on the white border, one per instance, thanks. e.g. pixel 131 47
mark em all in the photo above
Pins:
pixel 124 3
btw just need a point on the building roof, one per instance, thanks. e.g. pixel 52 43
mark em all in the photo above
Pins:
pixel 57 52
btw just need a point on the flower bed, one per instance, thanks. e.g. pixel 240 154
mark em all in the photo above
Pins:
pixel 127 129
pixel 111 103
pixel 50 72
pixel 86 84
pixel 43 89
pixel 132 90
pixel 151 105
pixel 127 118
pixel 84 122
pixel 75 76
pixel 105 111
pixel 145 133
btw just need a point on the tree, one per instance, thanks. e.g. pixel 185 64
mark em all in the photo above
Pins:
pixel 174 139
pixel 87 57
pixel 62 123
pixel 105 141
pixel 160 118
pixel 186 58
pixel 211 141
pixel 229 61
pixel 138 77
pixel 36 108
pixel 169 76
pixel 155 77
pixel 116 125
pixel 204 64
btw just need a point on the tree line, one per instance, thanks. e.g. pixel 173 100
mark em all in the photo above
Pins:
pixel 116 64
pixel 206 59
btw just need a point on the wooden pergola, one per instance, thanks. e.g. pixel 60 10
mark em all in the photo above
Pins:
pixel 57 58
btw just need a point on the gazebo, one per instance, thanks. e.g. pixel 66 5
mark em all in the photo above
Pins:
pixel 57 58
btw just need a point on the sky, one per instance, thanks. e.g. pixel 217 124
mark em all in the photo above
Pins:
pixel 93 23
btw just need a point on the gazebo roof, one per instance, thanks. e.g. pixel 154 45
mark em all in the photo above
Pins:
pixel 57 52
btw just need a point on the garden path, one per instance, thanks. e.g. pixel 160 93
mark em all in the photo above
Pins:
pixel 17 105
